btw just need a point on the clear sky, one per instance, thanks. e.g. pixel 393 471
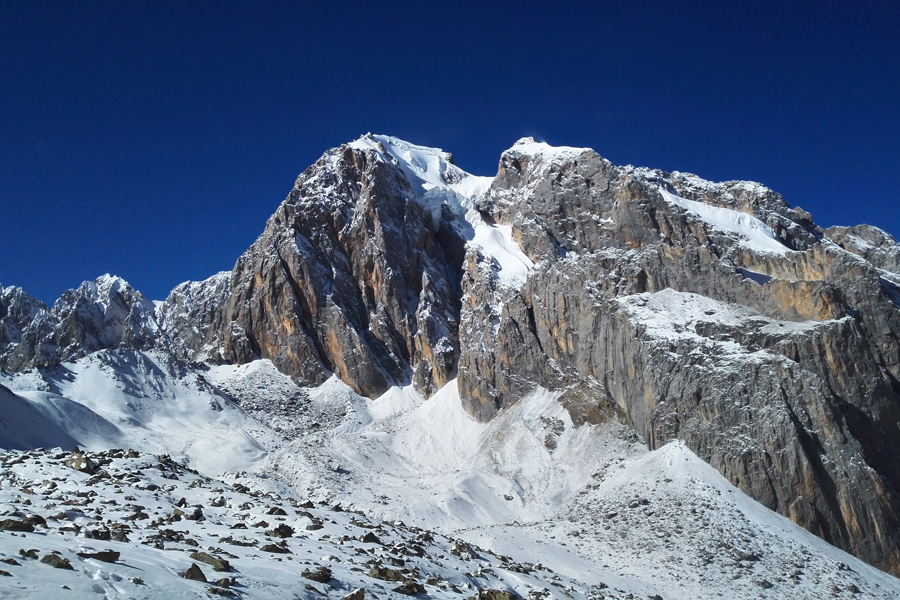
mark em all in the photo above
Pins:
pixel 152 139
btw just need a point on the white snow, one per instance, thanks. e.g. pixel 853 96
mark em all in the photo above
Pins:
pixel 116 399
pixel 23 426
pixel 589 502
pixel 672 316
pixel 547 153
pixel 436 182
pixel 497 242
pixel 755 234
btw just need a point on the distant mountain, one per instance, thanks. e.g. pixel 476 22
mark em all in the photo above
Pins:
pixel 710 313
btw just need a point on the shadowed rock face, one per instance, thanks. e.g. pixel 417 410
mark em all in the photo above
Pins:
pixel 708 312
pixel 187 314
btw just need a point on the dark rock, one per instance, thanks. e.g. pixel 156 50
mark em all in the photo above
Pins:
pixel 282 531
pixel 357 594
pixel 320 574
pixel 98 534
pixel 28 553
pixel 109 556
pixel 230 540
pixel 194 573
pixel 276 510
pixel 385 573
pixel 15 525
pixel 748 556
pixel 57 562
pixel 275 548
pixel 216 563
pixel 369 538
pixel 120 535
pixel 494 594
pixel 35 520
pixel 410 588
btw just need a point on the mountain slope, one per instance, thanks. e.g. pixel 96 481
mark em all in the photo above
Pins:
pixel 529 502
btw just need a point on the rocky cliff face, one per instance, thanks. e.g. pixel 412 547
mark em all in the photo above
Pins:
pixel 708 312
pixel 712 313
pixel 871 243
pixel 353 275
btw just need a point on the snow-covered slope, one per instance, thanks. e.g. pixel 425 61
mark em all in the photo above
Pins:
pixel 752 232
pixel 142 400
pixel 590 503
pixel 23 425
pixel 137 526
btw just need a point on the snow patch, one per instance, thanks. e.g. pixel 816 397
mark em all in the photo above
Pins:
pixel 437 182
pixel 547 153
pixel 755 234
pixel 125 398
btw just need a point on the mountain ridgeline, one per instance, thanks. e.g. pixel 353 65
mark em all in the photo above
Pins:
pixel 713 313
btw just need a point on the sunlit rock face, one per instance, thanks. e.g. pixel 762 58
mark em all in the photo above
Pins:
pixel 712 313
pixel 353 275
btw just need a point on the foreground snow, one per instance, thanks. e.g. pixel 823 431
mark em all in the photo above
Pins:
pixel 142 508
pixel 590 503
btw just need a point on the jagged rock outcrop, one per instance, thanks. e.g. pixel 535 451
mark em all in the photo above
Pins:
pixel 102 314
pixel 17 311
pixel 871 243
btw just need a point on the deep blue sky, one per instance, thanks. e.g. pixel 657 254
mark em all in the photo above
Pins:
pixel 153 139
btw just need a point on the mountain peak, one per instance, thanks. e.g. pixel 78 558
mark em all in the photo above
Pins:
pixel 426 168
